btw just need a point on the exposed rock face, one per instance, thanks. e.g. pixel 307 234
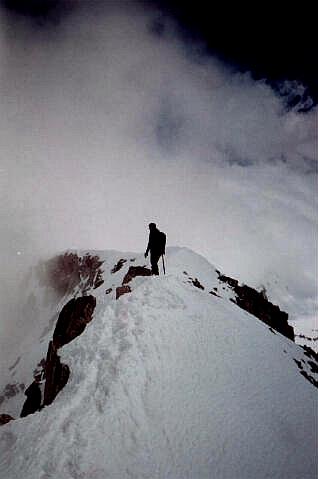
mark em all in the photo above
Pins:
pixel 122 290
pixel 310 364
pixel 5 418
pixel 56 375
pixel 90 272
pixel 67 271
pixel 195 282
pixel 131 274
pixel 257 304
pixel 71 323
pixel 73 319
pixel 118 265
pixel 214 294
pixel 136 271
pixel 33 401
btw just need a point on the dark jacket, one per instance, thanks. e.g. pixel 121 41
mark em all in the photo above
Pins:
pixel 156 243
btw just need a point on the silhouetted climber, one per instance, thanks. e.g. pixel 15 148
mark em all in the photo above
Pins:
pixel 156 246
pixel 33 401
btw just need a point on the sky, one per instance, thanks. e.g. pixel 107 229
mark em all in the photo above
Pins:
pixel 115 114
pixel 274 40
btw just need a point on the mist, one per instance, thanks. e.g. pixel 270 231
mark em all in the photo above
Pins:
pixel 109 122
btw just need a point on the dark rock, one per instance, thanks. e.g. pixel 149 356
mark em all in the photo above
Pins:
pixel 310 353
pixel 64 272
pixel 90 272
pixel 56 375
pixel 196 283
pixel 122 290
pixel 136 271
pixel 33 401
pixel 230 281
pixel 309 338
pixel 98 282
pixel 256 303
pixel 109 290
pixel 5 418
pixel 313 367
pixel 214 293
pixel 311 363
pixel 73 319
pixel 118 265
pixel 298 363
pixel 67 271
pixel 71 323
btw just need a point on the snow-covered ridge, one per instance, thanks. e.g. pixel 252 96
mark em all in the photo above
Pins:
pixel 106 274
pixel 171 380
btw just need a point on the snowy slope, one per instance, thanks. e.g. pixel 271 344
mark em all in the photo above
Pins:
pixel 169 381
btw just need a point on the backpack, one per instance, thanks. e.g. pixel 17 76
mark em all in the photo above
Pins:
pixel 162 240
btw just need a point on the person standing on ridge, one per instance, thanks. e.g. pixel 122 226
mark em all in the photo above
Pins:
pixel 156 246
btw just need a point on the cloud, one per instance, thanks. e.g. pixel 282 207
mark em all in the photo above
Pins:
pixel 109 120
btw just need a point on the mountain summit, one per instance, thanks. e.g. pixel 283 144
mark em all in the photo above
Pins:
pixel 185 375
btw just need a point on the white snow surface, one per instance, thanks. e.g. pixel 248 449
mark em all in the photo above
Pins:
pixel 167 382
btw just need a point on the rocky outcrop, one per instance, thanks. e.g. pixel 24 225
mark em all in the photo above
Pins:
pixel 310 362
pixel 68 271
pixel 194 281
pixel 256 303
pixel 72 321
pixel 56 375
pixel 118 265
pixel 308 339
pixel 33 401
pixel 5 418
pixel 136 271
pixel 120 290
pixel 130 275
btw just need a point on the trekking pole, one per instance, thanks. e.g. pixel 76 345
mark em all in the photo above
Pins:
pixel 163 264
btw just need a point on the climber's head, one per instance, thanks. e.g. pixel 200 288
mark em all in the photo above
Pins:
pixel 152 226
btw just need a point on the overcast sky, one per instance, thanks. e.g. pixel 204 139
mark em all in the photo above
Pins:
pixel 110 119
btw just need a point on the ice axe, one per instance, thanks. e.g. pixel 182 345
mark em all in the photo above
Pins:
pixel 163 263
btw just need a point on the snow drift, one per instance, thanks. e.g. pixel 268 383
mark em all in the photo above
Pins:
pixel 171 380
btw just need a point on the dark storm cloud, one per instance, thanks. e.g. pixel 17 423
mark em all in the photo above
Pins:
pixel 272 40
pixel 40 10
